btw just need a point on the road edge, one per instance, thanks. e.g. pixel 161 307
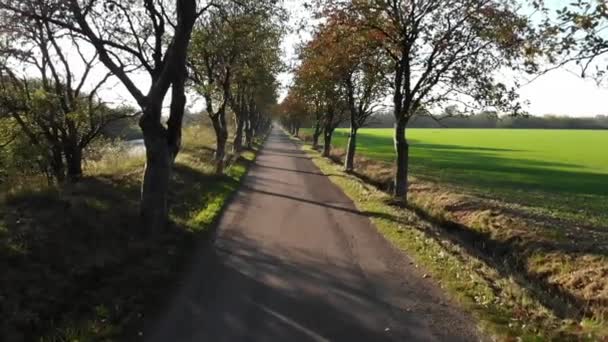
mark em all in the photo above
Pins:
pixel 207 232
pixel 458 274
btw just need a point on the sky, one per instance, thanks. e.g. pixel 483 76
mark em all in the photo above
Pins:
pixel 560 92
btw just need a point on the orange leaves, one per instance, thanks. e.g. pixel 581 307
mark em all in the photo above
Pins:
pixel 336 49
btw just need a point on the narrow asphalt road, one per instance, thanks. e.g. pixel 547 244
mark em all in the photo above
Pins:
pixel 293 260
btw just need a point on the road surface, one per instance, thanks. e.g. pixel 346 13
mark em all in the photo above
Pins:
pixel 293 260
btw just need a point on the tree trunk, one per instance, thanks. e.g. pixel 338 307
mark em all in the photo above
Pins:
pixel 237 146
pixel 73 157
pixel 315 136
pixel 255 126
pixel 327 134
pixel 57 165
pixel 177 109
pixel 349 162
pixel 402 150
pixel 159 159
pixel 249 135
pixel 221 136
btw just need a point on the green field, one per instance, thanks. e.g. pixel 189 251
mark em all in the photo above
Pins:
pixel 562 171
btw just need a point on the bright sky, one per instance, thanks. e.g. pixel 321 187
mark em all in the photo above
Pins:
pixel 564 93
pixel 559 92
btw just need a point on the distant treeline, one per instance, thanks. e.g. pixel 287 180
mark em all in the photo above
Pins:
pixel 490 120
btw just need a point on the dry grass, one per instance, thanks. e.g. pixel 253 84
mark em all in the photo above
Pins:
pixel 536 269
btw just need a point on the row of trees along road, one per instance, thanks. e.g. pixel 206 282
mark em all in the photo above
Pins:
pixel 233 64
pixel 49 79
pixel 427 56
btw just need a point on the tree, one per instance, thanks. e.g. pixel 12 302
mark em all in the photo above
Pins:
pixel 305 92
pixel 234 60
pixel 258 37
pixel 18 156
pixel 294 112
pixel 150 36
pixel 320 79
pixel 212 57
pixel 262 103
pixel 577 37
pixel 361 71
pixel 50 102
pixel 441 52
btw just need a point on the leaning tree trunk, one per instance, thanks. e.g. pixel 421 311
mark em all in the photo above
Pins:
pixel 177 110
pixel 237 145
pixel 349 162
pixel 402 150
pixel 221 137
pixel 73 157
pixel 159 160
pixel 327 134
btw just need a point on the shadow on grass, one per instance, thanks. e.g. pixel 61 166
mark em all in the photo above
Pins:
pixel 500 173
pixel 510 259
pixel 384 144
pixel 191 189
pixel 562 189
pixel 425 146
pixel 75 265
pixel 66 256
pixel 478 166
pixel 202 151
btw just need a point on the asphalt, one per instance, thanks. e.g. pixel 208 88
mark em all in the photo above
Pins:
pixel 294 260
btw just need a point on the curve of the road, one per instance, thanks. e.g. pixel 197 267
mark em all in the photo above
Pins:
pixel 294 260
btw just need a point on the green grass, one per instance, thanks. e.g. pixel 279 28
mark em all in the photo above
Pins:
pixel 560 171
pixel 74 264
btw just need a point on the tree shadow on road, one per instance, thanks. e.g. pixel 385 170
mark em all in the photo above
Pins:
pixel 241 290
pixel 315 173
pixel 509 257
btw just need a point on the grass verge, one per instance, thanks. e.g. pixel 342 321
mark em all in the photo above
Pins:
pixel 75 268
pixel 556 173
pixel 507 303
